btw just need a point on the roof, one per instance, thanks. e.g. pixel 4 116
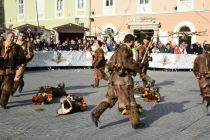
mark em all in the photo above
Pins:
pixel 3 29
pixel 33 28
pixel 70 28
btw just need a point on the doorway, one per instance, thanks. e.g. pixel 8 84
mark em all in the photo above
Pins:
pixel 184 32
pixel 140 34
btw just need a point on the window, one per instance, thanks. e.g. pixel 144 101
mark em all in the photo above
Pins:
pixel 80 4
pixel 109 3
pixel 185 5
pixel 80 8
pixel 144 6
pixel 108 7
pixel 20 7
pixel 60 5
pixel 59 8
pixel 40 7
pixel 144 1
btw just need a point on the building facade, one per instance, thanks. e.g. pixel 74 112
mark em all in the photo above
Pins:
pixel 166 20
pixel 48 14
pixel 2 14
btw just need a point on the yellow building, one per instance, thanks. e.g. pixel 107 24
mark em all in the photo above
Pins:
pixel 64 18
pixel 1 15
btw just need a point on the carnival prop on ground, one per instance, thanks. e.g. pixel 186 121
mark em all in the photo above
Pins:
pixel 71 103
pixel 46 94
pixel 148 93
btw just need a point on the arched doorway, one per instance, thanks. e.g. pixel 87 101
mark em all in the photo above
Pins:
pixel 184 35
pixel 140 34
pixel 187 26
pixel 109 34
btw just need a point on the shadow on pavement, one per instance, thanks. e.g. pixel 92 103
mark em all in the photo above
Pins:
pixel 25 94
pixel 76 87
pixel 114 123
pixel 81 93
pixel 81 87
pixel 162 99
pixel 197 91
pixel 34 90
pixel 160 110
pixel 165 83
pixel 90 107
pixel 150 116
pixel 20 103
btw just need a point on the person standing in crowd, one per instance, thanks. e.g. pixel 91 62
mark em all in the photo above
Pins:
pixel 168 48
pixel 58 46
pixel 29 53
pixel 11 57
pixel 176 49
pixel 182 47
pixel 110 45
pixel 99 63
pixel 201 70
pixel 73 45
pixel 191 49
pixel 141 53
pixel 155 48
pixel 199 49
pixel 121 84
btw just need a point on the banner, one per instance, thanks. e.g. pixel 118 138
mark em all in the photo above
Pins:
pixel 60 58
pixel 81 58
pixel 172 61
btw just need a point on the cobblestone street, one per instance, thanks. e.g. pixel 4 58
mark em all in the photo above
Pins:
pixel 178 116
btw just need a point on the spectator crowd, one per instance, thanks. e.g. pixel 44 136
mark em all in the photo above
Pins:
pixel 110 45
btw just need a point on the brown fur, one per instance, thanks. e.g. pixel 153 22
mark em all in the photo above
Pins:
pixel 201 69
pixel 99 63
pixel 58 91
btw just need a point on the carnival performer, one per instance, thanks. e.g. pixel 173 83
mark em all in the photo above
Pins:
pixel 28 52
pixel 99 63
pixel 120 87
pixel 143 58
pixel 201 70
pixel 11 57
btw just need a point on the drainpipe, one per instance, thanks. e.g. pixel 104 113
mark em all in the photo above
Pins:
pixel 37 15
pixel 90 18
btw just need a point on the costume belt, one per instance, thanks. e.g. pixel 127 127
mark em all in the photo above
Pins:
pixel 121 70
pixel 204 75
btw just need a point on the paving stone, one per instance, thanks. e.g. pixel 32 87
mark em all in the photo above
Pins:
pixel 178 116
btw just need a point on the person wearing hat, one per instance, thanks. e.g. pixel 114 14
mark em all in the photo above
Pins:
pixel 201 70
pixel 99 63
pixel 29 53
